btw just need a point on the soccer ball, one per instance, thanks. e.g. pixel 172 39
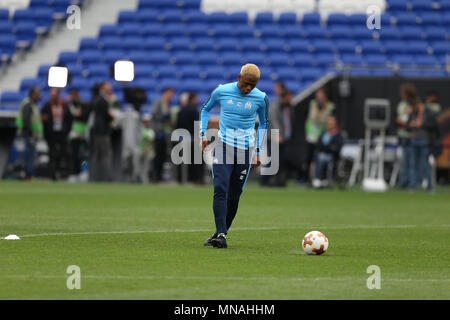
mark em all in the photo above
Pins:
pixel 315 242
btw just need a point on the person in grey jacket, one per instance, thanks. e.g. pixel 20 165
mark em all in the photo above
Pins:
pixel 162 126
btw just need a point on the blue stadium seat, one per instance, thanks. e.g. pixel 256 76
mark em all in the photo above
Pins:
pixel 395 47
pixel 285 74
pixel 417 47
pixel 287 18
pixel 230 58
pixel 357 19
pixel 183 57
pixel 206 58
pixel 432 18
pixel 260 59
pixel 128 16
pixel 204 44
pixel 147 84
pixel 325 59
pixel 371 47
pixel 43 71
pixel 108 30
pixel 133 43
pixel 406 19
pixel 226 44
pixel 397 5
pixel 244 31
pixel 274 31
pixel 421 5
pixel 9 97
pixel 214 71
pixel 299 45
pixel 346 46
pixel 171 16
pixel 190 71
pixel 316 32
pixel 6 28
pixel 340 32
pixel 144 71
pixel 303 60
pixel 274 45
pixel 277 59
pixel 337 19
pixel 75 70
pixel 91 57
pixel 362 33
pixel 159 57
pixel 440 47
pixel 7 44
pixel 426 61
pixel 217 17
pixel 88 44
pixel 148 16
pixel 220 30
pixel 43 17
pixel 311 74
pixel 130 29
pixel 352 59
pixel 113 43
pixel 402 60
pixel 238 19
pixel 4 15
pixel 194 16
pixel 25 33
pixel 323 46
pixel 251 45
pixel 139 57
pixel 154 43
pixel 411 33
pixel 312 18
pixel 376 59
pixel 180 44
pixel 264 18
pixel 99 70
pixel 363 72
pixel 434 33
pixel 24 15
pixel 389 33
pixel 27 83
pixel 382 72
pixel 66 57
pixel 198 30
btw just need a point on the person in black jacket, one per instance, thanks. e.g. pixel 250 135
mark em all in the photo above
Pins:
pixel 57 123
pixel 100 168
pixel 328 149
pixel 186 120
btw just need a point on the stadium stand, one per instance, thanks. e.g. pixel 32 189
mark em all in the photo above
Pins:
pixel 194 45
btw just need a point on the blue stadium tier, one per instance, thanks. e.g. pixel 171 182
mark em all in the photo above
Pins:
pixel 174 43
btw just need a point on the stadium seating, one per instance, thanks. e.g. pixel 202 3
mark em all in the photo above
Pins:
pixel 174 43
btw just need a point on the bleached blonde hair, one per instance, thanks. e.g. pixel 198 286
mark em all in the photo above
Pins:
pixel 250 69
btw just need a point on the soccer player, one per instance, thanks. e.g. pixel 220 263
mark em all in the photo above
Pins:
pixel 239 103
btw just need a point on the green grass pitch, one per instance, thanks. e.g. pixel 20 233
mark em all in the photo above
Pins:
pixel 146 242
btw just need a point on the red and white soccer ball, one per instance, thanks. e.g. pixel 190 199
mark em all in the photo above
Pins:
pixel 315 242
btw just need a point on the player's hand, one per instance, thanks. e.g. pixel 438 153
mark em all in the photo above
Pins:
pixel 257 163
pixel 203 144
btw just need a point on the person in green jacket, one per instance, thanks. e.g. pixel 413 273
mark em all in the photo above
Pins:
pixel 29 127
pixel 320 109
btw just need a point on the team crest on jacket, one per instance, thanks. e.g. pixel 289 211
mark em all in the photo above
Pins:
pixel 248 105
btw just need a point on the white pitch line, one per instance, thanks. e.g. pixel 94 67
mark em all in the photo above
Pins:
pixel 195 278
pixel 234 229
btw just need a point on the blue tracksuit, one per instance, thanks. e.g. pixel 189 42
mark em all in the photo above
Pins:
pixel 234 150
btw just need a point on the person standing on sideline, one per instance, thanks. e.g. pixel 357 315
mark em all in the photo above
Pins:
pixel 408 96
pixel 239 102
pixel 29 127
pixel 78 134
pixel 100 152
pixel 320 109
pixel 186 120
pixel 161 120
pixel 57 121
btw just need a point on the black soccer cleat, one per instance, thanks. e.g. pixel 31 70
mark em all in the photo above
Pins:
pixel 220 241
pixel 208 242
